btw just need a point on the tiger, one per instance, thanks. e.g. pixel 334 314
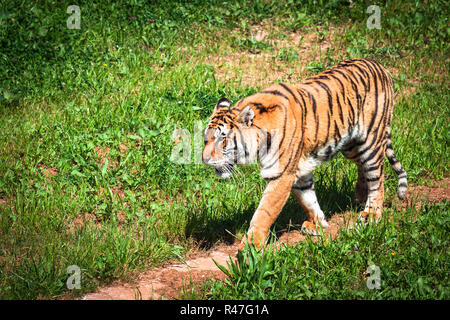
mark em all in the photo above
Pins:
pixel 291 129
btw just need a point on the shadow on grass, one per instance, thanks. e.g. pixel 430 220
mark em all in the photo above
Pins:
pixel 207 228
pixel 334 197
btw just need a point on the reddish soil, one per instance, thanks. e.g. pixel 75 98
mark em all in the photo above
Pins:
pixel 167 281
pixel 48 172
pixel 436 191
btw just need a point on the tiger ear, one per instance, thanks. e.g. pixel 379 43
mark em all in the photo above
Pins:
pixel 246 116
pixel 223 103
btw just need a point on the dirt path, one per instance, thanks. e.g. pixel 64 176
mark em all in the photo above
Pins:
pixel 166 282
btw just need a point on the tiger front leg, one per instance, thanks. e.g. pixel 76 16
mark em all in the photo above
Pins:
pixel 273 200
pixel 303 191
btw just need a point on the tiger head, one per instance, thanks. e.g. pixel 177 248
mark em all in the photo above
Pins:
pixel 230 138
pixel 251 130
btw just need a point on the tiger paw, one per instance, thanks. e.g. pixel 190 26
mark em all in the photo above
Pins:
pixel 369 216
pixel 255 236
pixel 313 229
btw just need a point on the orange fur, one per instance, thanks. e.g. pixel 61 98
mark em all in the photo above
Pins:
pixel 347 108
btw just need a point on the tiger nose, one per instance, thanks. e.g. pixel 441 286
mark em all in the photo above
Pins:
pixel 208 153
pixel 206 159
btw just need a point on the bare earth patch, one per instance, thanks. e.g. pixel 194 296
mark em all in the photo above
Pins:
pixel 167 281
pixel 77 223
pixel 48 172
pixel 264 67
pixel 436 192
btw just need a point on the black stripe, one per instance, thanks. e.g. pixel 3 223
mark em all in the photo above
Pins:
pixel 290 92
pixel 381 73
pixel 328 124
pixel 332 76
pixel 281 142
pixel 295 129
pixel 380 160
pixel 257 127
pixel 296 156
pixel 268 141
pixel 340 83
pixel 341 73
pixel 327 89
pixel 351 109
pixel 375 113
pixel 371 168
pixel 303 188
pixel 275 92
pixel 305 109
pixel 361 76
pixel 314 104
pixel 341 115
pixel 349 147
pixel 275 161
pixel 393 160
pixel 367 148
pixel 314 107
pixel 246 153
pixel 336 131
pixel 263 109
pixel 236 148
pixel 355 88
pixel 273 178
pixel 371 155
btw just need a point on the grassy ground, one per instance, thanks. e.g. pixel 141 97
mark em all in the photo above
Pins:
pixel 86 123
pixel 411 252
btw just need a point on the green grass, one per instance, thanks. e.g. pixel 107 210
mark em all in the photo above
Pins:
pixel 411 251
pixel 87 116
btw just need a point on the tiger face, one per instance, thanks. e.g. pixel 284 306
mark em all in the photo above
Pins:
pixel 229 138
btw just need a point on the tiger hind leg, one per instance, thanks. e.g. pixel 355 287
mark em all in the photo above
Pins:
pixel 373 175
pixel 303 191
pixel 361 186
